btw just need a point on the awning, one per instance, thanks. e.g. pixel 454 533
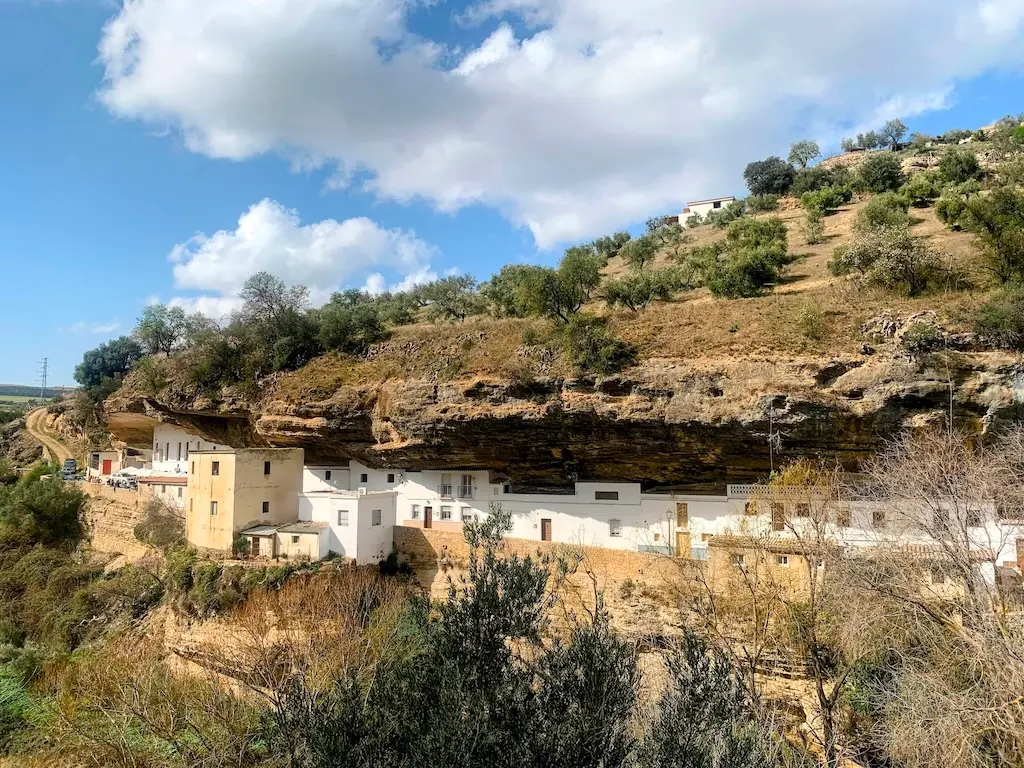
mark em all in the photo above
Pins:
pixel 260 530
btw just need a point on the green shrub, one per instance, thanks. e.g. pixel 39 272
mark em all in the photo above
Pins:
pixel 757 233
pixel 811 180
pixel 921 189
pixel 723 217
pixel 880 172
pixel 960 165
pixel 814 227
pixel 694 220
pixel 592 348
pixel 639 289
pixel 998 221
pixel 921 337
pixel 762 203
pixel 952 204
pixel 162 527
pixel 810 319
pixel 745 273
pixel 1001 320
pixel 886 210
pixel 827 199
pixel 892 258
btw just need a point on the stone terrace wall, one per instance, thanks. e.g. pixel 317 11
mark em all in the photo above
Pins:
pixel 112 514
pixel 640 589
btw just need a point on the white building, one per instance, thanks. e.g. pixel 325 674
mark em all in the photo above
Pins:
pixel 171 447
pixel 703 207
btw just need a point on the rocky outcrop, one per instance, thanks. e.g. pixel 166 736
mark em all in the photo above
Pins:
pixel 18 446
pixel 666 423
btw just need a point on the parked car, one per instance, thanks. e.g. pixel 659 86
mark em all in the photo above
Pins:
pixel 70 470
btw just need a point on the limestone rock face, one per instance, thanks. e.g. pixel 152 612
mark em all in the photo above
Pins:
pixel 666 423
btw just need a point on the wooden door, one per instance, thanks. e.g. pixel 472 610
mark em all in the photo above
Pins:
pixel 428 517
pixel 255 546
pixel 106 466
pixel 682 544
pixel 682 514
pixel 545 529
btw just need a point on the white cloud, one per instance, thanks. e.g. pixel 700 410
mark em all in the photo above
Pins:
pixel 94 328
pixel 606 113
pixel 323 256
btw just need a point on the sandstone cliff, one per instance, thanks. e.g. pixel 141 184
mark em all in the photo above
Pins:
pixel 667 423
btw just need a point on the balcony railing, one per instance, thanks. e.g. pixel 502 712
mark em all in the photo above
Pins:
pixel 456 491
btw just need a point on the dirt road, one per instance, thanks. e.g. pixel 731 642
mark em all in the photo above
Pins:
pixel 35 424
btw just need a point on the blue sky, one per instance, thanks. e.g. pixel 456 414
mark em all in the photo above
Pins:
pixel 346 145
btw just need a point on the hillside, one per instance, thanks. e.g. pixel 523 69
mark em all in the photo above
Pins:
pixel 817 361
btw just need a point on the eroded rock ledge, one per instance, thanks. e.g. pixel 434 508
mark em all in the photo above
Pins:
pixel 682 424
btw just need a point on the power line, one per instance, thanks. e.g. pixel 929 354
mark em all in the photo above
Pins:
pixel 42 377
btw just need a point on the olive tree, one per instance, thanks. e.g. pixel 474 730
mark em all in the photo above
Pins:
pixel 803 152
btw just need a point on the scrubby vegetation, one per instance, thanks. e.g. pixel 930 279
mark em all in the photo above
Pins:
pixel 595 311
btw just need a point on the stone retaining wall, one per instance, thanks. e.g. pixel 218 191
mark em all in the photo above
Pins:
pixel 641 590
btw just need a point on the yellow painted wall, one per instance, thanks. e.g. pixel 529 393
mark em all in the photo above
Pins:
pixel 281 487
pixel 240 489
pixel 203 529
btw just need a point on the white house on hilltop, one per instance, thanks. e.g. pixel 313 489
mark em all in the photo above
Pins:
pixel 703 207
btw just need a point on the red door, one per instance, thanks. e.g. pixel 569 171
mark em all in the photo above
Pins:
pixel 106 466
pixel 428 517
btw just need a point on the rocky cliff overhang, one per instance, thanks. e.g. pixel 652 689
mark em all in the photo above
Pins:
pixel 668 424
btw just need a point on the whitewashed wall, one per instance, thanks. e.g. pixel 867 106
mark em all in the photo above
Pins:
pixel 171 447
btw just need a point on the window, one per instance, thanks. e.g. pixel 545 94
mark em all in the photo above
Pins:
pixel 682 514
pixel 343 518
pixel 466 513
pixel 163 490
pixel 167 452
pixel 179 450
pixel 615 528
pixel 782 560
pixel 466 487
pixel 803 510
pixel 193 468
pixel 878 518
pixel 736 560
pixel 445 489
pixel 266 467
pixel 415 512
pixel 778 517
pixel 364 478
pixel 974 518
pixel 375 517
pixel 506 488
pixel 327 475
pixel 750 508
pixel 295 539
pixel 213 507
pixel 844 517
pixel 179 491
pixel 606 495
pixel 391 477
pixel 446 513
pixel 266 507
pixel 186 450
pixel 938 575
pixel 215 468
pixel 717 204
